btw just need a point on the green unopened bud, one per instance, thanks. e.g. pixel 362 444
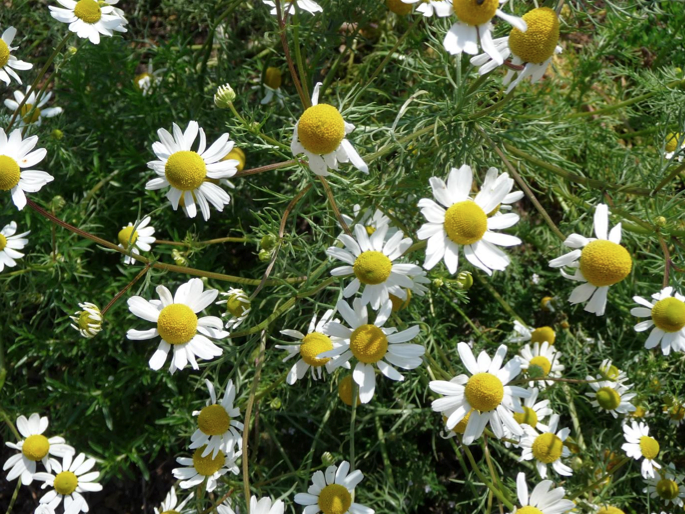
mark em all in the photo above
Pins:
pixel 57 134
pixel 268 242
pixel 327 459
pixel 576 463
pixel 276 403
pixel 179 258
pixel 57 203
pixel 72 50
pixel 438 282
pixel 464 280
pixel 660 221
pixel 224 96
pixel 264 255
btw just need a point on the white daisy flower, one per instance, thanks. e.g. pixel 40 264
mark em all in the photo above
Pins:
pixel 667 486
pixel 320 135
pixel 675 412
pixel 10 243
pixel 675 142
pixel 136 237
pixel 35 447
pixel 87 321
pixel 464 222
pixel 15 155
pixel 309 6
pixel 611 396
pixel 263 505
pixel 430 8
pixel 475 24
pixel 546 448
pixel 667 315
pixel 273 79
pixel 188 173
pixel 371 344
pixel 485 396
pixel 523 333
pixel 546 358
pixel 217 426
pixel 610 372
pixel 639 445
pixel 599 263
pixel 371 220
pixel 8 62
pixel 199 468
pixel 71 478
pixel 309 346
pixel 33 110
pixel 238 306
pixel 44 509
pixel 534 412
pixel 90 18
pixel 370 260
pixel 170 503
pixel 178 325
pixel 145 81
pixel 332 493
pixel 543 500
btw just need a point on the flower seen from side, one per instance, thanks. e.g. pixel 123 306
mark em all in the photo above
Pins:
pixel 171 504
pixel 522 333
pixel 667 316
pixel 667 486
pixel 87 321
pixel 541 361
pixel 238 305
pixel 33 111
pixel 8 62
pixel 639 445
pixel 135 238
pixel 611 396
pixel 197 468
pixel 10 244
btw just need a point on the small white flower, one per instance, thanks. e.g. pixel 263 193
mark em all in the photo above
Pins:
pixel 238 306
pixel 371 220
pixel 522 333
pixel 667 315
pixel 273 79
pixel 87 321
pixel 145 81
pixel 429 8
pixel 170 503
pixel 545 357
pixel 71 478
pixel 534 412
pixel 198 468
pixel 333 492
pixel 544 499
pixel 33 111
pixel 611 396
pixel 639 445
pixel 673 147
pixel 9 61
pixel 611 372
pixel 547 447
pixel 263 505
pixel 137 237
pixel 90 18
pixel 667 486
pixel 10 243
pixel 217 426
pixel 288 7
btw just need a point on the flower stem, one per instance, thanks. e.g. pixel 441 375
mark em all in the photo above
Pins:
pixel 353 418
pixel 306 103
pixel 126 288
pixel 482 478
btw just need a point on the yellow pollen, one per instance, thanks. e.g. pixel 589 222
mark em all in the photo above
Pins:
pixel 368 344
pixel 528 509
pixel 671 139
pixel 4 54
pixel 207 466
pixel 528 417
pixel 237 304
pixel 312 345
pixel 9 172
pixel 185 170
pixel 547 448
pixel 475 12
pixel 484 392
pixel 608 398
pixel 669 314
pixel 372 267
pixel 177 323
pixel 542 335
pixel 399 7
pixel 321 129
pixel 460 427
pixel 604 263
pixel 537 44
pixel 127 235
pixel 213 420
pixel 3 242
pixel 88 10
pixel 398 304
pixel 649 447
pixel 65 483
pixel 345 391
pixel 465 222
pixel 542 362
pixel 610 510
pixel 35 447
pixel 32 117
pixel 667 489
pixel 237 155
pixel 273 77
pixel 335 499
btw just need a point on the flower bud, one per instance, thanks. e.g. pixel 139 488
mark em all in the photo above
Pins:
pixel 224 96
pixel 88 321
pixel 464 280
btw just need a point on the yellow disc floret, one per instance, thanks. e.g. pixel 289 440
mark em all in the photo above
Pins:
pixel 608 398
pixel 649 447
pixel 273 77
pixel 547 448
pixel 368 344
pixel 671 138
pixel 4 54
pixel 3 242
pixel 321 129
pixel 484 392
pixel 475 12
pixel 610 510
pixel 528 417
pixel 28 116
pixel 88 10
pixel 127 236
pixel 177 323
pixel 314 344
pixel 543 363
pixel 667 489
pixel 611 372
pixel 9 172
pixel 465 222
pixel 399 7
pixel 460 427
pixel 185 170
pixel 669 314
pixel 65 483
pixel 35 447
pixel 238 304
pixel 345 391
pixel 372 267
pixel 237 155
pixel 207 466
pixel 604 263
pixel 542 335
pixel 213 420
pixel 537 44
pixel 335 499
pixel 528 509
pixel 398 304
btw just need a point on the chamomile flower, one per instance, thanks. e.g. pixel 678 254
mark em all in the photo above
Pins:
pixel 462 222
pixel 371 344
pixel 309 346
pixel 71 478
pixel 534 412
pixel 35 447
pixel 345 391
pixel 485 396
pixel 187 173
pixel 8 62
pixel 371 220
pixel 675 142
pixel 199 468
pixel 547 448
pixel 178 325
pixel 320 135
pixel 610 372
pixel 15 155
pixel 523 333
pixel 90 18
pixel 546 358
pixel 398 7
pixel 170 503
pixel 137 238
pixel 611 396
pixel 288 7
pixel 667 315
pixel 667 486
pixel 639 445
pixel 145 81
pixel 599 263
pixel 273 79
pixel 543 500
pixel 263 505
pixel 370 261
pixel 332 492
pixel 33 110
pixel 238 307
pixel 475 24
pixel 675 412
pixel 10 244
pixel 217 426
pixel 429 8
pixel 87 321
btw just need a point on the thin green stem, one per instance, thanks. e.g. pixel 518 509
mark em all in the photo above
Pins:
pixel 298 53
pixel 673 174
pixel 14 496
pixel 482 478
pixel 203 243
pixel 353 417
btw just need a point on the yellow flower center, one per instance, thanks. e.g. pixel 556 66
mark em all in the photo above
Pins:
pixel 273 77
pixel 649 447
pixel 460 427
pixel 4 54
pixel 372 267
pixel 88 10
pixel 321 129
pixel 611 372
pixel 127 236
pixel 475 12
pixel 671 139
pixel 669 314
pixel 9 172
pixel 3 242
pixel 368 344
pixel 139 80
pixel 35 447
pixel 608 398
pixel 84 320
pixel 604 263
pixel 335 499
pixel 237 304
pixel 639 412
pixel 185 170
pixel 667 489
pixel 399 7
pixel 213 420
pixel 28 116
pixel 610 510
pixel 528 417
pixel 676 412
pixel 536 44
pixel 237 155
pixel 542 335
pixel 314 344
pixel 543 363
pixel 345 391
pixel 398 303
pixel 484 392
pixel 207 466
pixel 65 483
pixel 547 448
pixel 465 222
pixel 177 323
pixel 528 510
